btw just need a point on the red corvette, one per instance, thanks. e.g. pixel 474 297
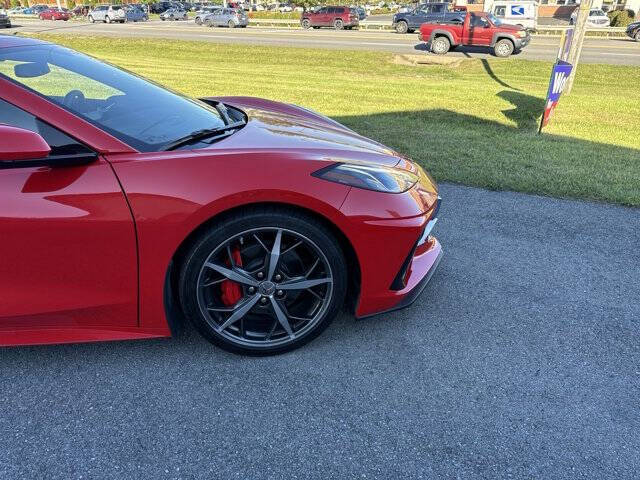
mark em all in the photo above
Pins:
pixel 54 14
pixel 126 208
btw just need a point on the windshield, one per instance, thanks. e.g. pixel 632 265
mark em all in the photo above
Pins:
pixel 495 20
pixel 132 109
pixel 597 13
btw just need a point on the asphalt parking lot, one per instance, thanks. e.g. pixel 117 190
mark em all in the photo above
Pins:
pixel 617 51
pixel 520 360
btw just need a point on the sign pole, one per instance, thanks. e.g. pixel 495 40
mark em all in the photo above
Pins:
pixel 576 46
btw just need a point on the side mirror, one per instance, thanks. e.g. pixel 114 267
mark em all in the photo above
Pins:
pixel 19 145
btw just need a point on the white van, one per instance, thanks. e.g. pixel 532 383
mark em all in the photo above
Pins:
pixel 524 13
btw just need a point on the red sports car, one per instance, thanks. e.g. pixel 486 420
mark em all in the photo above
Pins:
pixel 126 208
pixel 54 14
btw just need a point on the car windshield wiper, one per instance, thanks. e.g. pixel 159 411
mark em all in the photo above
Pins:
pixel 198 135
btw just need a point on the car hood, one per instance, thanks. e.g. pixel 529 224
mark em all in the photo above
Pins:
pixel 511 28
pixel 279 126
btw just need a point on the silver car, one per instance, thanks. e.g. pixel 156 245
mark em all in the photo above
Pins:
pixel 200 14
pixel 227 17
pixel 174 14
pixel 107 14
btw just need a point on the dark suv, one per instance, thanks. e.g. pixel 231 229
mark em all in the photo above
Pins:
pixel 336 17
pixel 410 21
pixel 633 31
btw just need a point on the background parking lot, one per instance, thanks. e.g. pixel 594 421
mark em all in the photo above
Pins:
pixel 620 51
pixel 521 359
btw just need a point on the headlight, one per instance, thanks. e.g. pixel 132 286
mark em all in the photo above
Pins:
pixel 522 33
pixel 378 178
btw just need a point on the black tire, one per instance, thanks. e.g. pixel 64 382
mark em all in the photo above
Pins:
pixel 198 21
pixel 306 24
pixel 637 36
pixel 411 30
pixel 208 23
pixel 338 24
pixel 107 19
pixel 91 20
pixel 231 24
pixel 402 27
pixel 503 48
pixel 440 45
pixel 218 235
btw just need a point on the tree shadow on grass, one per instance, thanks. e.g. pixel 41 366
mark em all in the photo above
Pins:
pixel 476 151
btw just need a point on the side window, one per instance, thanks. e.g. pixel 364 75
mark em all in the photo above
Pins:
pixel 500 11
pixel 339 10
pixel 437 9
pixel 477 21
pixel 323 10
pixel 60 143
pixel 331 10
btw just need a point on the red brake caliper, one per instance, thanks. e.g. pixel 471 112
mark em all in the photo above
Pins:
pixel 232 291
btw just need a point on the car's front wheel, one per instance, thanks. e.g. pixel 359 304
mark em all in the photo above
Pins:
pixel 338 24
pixel 306 24
pixel 231 24
pixel 198 21
pixel 91 20
pixel 503 48
pixel 107 19
pixel 402 27
pixel 264 282
pixel 637 37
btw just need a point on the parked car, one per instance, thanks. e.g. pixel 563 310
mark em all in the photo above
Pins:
pixel 227 17
pixel 410 21
pixel 5 22
pixel 336 17
pixel 524 13
pixel 39 8
pixel 81 10
pixel 54 14
pixel 361 12
pixel 285 8
pixel 160 7
pixel 174 14
pixel 135 14
pixel 633 31
pixel 204 12
pixel 596 18
pixel 475 29
pixel 151 208
pixel 108 14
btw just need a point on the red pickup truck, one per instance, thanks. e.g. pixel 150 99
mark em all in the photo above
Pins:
pixel 474 29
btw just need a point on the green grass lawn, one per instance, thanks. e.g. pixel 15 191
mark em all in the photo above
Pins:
pixel 475 124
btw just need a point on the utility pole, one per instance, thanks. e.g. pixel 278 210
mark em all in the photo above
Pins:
pixel 578 40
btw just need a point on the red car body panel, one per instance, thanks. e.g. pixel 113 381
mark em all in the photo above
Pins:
pixel 91 246
pixel 69 249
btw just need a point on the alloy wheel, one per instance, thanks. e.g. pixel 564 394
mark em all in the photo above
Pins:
pixel 265 287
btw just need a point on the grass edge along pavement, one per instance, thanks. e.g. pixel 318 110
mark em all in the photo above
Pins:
pixel 475 124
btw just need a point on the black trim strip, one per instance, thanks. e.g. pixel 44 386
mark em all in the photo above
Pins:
pixel 54 161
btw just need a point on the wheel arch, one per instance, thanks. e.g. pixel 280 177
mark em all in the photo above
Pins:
pixel 442 33
pixel 503 36
pixel 173 311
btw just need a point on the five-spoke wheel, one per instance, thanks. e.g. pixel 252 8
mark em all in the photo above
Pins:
pixel 264 283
